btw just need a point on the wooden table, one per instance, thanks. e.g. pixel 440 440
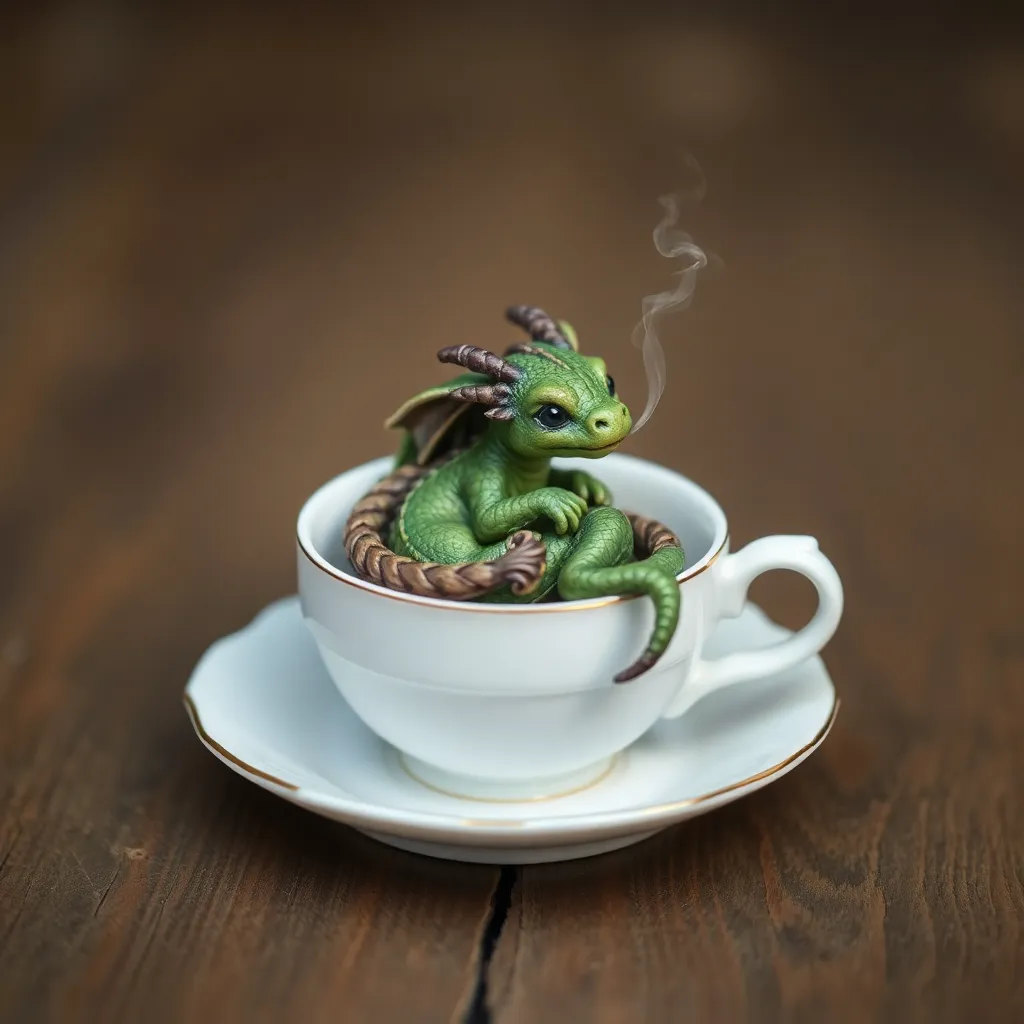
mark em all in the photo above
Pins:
pixel 231 240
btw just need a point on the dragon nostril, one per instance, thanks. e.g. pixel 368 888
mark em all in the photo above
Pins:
pixel 600 424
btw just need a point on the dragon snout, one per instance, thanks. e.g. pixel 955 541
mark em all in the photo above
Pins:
pixel 608 425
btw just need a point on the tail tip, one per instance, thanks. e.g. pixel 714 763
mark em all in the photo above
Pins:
pixel 646 661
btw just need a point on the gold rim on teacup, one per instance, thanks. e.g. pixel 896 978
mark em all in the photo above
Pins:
pixel 328 568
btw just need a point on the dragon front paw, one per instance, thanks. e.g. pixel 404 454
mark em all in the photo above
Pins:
pixel 564 508
pixel 589 488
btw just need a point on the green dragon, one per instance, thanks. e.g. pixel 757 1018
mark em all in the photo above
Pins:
pixel 475 509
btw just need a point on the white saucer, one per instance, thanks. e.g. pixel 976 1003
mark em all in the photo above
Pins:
pixel 261 700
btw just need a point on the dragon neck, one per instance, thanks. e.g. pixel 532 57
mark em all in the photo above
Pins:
pixel 527 472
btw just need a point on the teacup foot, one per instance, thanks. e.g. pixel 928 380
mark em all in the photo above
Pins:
pixel 466 787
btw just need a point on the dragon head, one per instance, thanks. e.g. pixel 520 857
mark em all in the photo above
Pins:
pixel 545 397
pixel 549 399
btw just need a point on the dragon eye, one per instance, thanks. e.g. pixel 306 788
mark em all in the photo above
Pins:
pixel 551 417
pixel 611 386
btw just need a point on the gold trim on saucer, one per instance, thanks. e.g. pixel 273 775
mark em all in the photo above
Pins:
pixel 613 761
pixel 677 805
pixel 197 724
pixel 767 773
pixel 653 811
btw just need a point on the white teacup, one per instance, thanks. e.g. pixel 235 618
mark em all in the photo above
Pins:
pixel 517 701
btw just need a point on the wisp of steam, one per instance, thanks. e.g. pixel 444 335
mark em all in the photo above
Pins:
pixel 672 243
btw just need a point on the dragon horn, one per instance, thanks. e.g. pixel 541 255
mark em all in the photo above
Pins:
pixel 538 325
pixel 479 360
pixel 485 394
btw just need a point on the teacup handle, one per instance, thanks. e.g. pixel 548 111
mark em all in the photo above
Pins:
pixel 733 581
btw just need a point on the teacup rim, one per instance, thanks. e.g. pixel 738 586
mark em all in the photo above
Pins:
pixel 309 550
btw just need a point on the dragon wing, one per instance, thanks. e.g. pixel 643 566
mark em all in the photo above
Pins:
pixel 433 422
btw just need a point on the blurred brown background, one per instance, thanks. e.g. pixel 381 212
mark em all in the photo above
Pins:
pixel 232 238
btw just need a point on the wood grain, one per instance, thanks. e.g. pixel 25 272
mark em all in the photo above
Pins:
pixel 231 240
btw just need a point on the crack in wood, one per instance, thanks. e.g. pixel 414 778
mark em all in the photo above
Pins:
pixel 106 891
pixel 479 1011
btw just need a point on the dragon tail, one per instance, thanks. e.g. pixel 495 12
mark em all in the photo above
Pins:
pixel 585 576
pixel 520 567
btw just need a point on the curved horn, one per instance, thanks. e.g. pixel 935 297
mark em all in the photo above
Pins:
pixel 485 394
pixel 479 360
pixel 538 325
